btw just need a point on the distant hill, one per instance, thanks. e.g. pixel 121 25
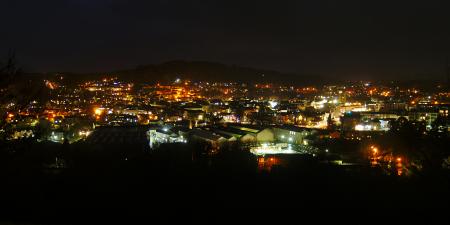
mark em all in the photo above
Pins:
pixel 193 70
pixel 209 71
pixel 212 71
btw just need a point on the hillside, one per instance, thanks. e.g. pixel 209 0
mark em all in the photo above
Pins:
pixel 209 71
pixel 193 70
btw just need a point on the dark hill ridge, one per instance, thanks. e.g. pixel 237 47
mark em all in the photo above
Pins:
pixel 193 70
pixel 209 71
pixel 212 71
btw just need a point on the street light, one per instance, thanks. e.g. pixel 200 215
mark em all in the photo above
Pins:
pixel 374 154
pixel 375 150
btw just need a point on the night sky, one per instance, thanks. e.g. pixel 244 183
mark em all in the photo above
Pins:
pixel 375 39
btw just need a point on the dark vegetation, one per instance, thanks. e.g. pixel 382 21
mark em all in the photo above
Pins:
pixel 18 87
pixel 181 179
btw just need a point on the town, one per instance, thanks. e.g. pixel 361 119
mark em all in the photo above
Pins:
pixel 344 125
pixel 282 112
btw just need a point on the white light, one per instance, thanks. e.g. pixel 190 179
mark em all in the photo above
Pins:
pixel 282 136
pixel 290 139
pixel 359 127
pixel 326 150
pixel 273 104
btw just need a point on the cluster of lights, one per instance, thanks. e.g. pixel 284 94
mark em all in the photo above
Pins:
pixel 84 133
pixel 273 104
pixel 375 152
pixel 361 127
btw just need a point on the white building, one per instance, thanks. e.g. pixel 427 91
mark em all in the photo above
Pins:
pixel 163 135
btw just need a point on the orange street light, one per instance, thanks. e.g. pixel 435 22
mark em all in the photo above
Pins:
pixel 375 150
pixel 98 111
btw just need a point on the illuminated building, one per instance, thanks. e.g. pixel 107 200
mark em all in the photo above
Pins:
pixel 291 134
pixel 427 116
pixel 209 137
pixel 163 135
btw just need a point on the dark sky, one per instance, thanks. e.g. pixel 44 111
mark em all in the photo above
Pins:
pixel 375 39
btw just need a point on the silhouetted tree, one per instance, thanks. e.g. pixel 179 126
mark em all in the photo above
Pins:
pixel 43 129
pixel 9 70
pixel 439 126
pixel 330 123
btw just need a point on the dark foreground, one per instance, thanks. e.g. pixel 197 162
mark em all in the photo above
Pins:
pixel 175 184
